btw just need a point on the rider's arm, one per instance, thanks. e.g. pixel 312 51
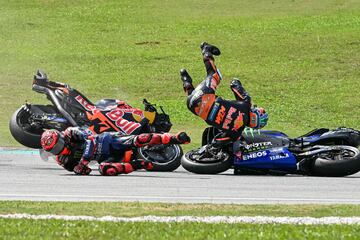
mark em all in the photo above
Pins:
pixel 76 134
pixel 89 151
pixel 81 136
pixel 239 92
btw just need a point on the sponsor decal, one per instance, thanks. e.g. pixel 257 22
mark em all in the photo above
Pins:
pixel 239 122
pixel 88 150
pixel 229 119
pixel 254 155
pixel 251 131
pixel 193 98
pixel 277 157
pixel 206 103
pixel 257 146
pixel 123 124
pixel 85 103
pixel 213 112
pixel 220 115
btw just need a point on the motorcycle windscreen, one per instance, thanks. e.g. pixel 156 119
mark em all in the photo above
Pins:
pixel 273 158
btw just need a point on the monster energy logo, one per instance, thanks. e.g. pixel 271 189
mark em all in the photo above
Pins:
pixel 250 131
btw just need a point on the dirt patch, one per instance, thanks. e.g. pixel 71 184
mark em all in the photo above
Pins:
pixel 148 43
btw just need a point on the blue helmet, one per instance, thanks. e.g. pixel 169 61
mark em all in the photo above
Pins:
pixel 258 118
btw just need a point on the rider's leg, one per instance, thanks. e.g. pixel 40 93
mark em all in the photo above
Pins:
pixel 239 91
pixel 125 143
pixel 129 141
pixel 213 74
pixel 223 139
pixel 157 139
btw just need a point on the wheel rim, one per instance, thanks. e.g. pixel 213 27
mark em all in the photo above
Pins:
pixel 162 154
pixel 23 121
pixel 195 156
pixel 342 153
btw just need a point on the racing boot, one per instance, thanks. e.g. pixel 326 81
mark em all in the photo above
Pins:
pixel 114 169
pixel 208 50
pixel 187 81
pixel 180 138
pixel 141 164
pixel 239 91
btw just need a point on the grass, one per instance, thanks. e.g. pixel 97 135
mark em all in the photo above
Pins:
pixel 298 59
pixel 56 229
pixel 125 209
pixel 59 229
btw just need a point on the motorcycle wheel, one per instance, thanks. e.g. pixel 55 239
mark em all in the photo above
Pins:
pixel 165 158
pixel 197 163
pixel 21 129
pixel 342 162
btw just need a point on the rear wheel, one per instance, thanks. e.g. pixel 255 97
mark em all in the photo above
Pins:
pixel 198 161
pixel 23 130
pixel 165 158
pixel 342 161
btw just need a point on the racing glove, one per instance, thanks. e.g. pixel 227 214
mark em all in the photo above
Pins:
pixel 82 168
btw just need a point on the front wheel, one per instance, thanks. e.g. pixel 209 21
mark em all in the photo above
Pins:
pixel 165 158
pixel 198 161
pixel 21 127
pixel 342 161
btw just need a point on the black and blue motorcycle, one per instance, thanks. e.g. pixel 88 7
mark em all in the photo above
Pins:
pixel 321 152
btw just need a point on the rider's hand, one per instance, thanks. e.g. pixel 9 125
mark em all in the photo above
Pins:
pixel 82 169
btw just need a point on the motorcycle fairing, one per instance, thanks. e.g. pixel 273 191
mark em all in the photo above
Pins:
pixel 324 136
pixel 109 115
pixel 279 158
pixel 277 139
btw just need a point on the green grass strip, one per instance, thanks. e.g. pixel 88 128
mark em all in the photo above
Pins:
pixel 57 229
pixel 133 209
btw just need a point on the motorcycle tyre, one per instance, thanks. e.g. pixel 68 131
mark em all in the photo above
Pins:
pixel 337 168
pixel 24 137
pixel 168 166
pixel 205 168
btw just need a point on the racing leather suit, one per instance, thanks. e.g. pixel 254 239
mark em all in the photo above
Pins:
pixel 229 116
pixel 112 150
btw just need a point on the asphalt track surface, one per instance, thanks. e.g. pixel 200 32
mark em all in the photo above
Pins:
pixel 24 176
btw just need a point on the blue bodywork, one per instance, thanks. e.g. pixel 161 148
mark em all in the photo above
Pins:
pixel 279 158
pixel 264 149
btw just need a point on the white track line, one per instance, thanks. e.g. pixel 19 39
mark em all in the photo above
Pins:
pixel 210 219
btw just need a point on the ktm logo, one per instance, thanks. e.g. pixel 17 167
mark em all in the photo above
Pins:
pixel 220 115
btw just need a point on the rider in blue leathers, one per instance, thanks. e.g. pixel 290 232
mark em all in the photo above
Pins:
pixel 76 147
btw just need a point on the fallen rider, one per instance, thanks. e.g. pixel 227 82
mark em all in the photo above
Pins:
pixel 75 147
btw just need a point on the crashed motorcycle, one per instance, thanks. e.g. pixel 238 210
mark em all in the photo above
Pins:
pixel 70 108
pixel 321 152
